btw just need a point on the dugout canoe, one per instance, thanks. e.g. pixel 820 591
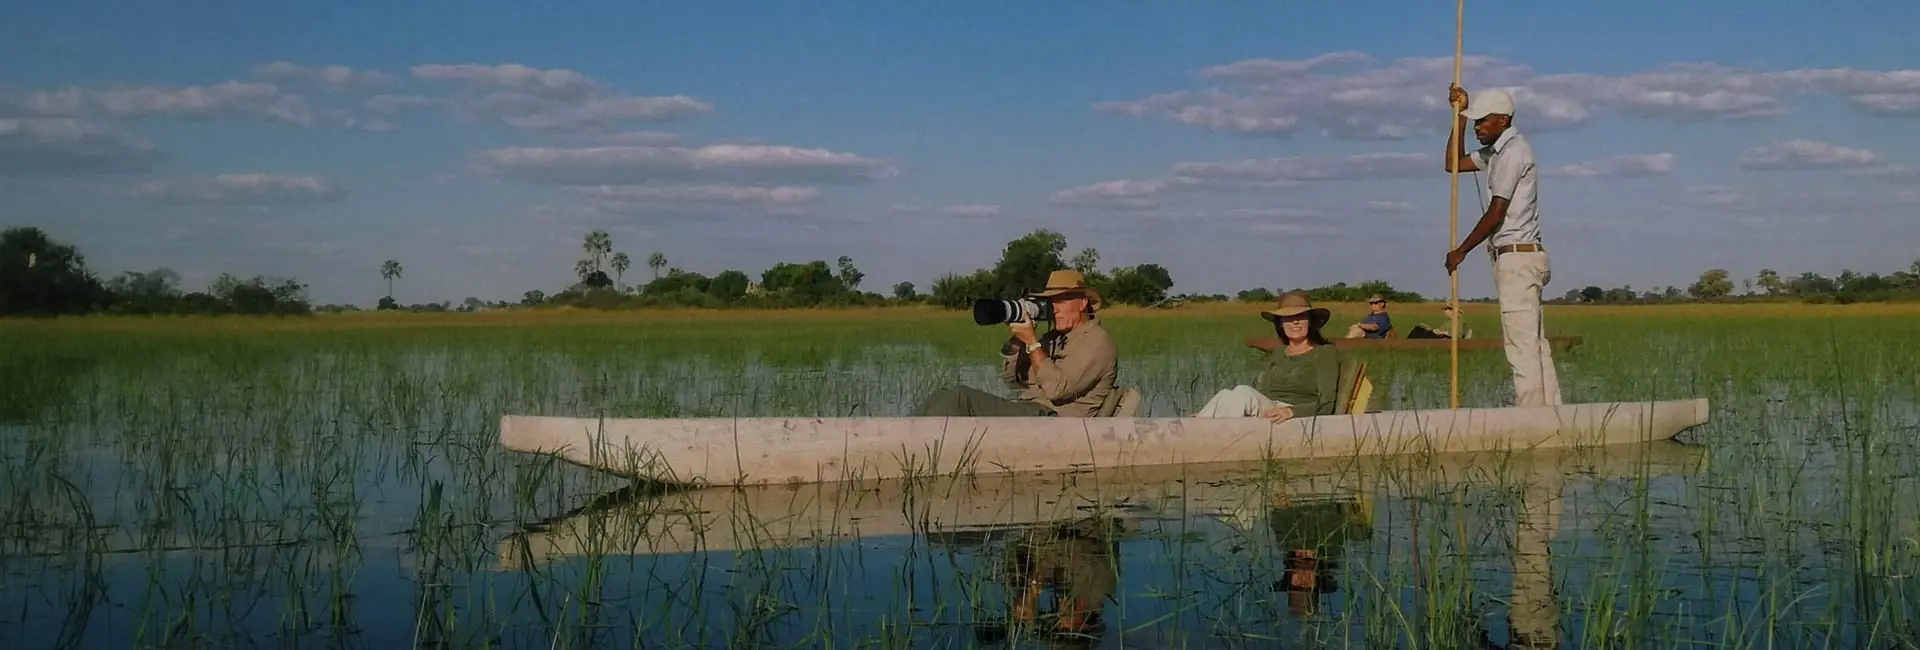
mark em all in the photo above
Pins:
pixel 1558 342
pixel 758 451
pixel 654 520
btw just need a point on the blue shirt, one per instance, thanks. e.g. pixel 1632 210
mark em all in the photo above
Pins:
pixel 1381 319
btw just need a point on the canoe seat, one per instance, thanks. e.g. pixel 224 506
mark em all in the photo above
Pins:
pixel 1356 390
pixel 1120 403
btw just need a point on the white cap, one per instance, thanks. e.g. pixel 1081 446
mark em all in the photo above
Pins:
pixel 1492 102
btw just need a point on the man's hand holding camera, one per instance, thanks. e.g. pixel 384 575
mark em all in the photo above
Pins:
pixel 1029 342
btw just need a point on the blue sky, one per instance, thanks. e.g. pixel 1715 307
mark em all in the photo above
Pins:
pixel 1239 144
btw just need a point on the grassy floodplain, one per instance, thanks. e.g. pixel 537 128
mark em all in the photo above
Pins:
pixel 334 481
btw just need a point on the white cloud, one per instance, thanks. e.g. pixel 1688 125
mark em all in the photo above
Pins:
pixel 67 147
pixel 1630 165
pixel 706 194
pixel 335 76
pixel 962 210
pixel 638 138
pixel 1249 174
pixel 393 103
pixel 245 190
pixel 1806 154
pixel 744 164
pixel 529 98
pixel 1339 96
pixel 1829 204
pixel 1391 206
pixel 223 100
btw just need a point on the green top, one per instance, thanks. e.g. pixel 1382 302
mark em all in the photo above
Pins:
pixel 1310 382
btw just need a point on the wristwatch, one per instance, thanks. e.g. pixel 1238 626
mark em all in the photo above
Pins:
pixel 1033 346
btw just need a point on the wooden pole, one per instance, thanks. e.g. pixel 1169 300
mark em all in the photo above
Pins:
pixel 1453 207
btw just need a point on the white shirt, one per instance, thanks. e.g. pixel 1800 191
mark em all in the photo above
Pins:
pixel 1510 170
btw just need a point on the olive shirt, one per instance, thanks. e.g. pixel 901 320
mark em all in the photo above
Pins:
pixel 1085 365
pixel 1310 383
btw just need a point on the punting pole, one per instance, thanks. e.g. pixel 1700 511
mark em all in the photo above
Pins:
pixel 1453 207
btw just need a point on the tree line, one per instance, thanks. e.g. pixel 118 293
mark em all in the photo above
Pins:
pixel 43 276
pixel 1718 285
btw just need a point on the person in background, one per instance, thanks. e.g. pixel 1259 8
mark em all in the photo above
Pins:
pixel 1425 331
pixel 1376 324
pixel 1302 377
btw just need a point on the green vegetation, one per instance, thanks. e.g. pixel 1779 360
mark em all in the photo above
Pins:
pixel 335 480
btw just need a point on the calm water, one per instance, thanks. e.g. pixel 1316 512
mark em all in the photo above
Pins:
pixel 357 499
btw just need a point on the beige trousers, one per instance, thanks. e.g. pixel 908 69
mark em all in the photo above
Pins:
pixel 1520 279
pixel 1236 402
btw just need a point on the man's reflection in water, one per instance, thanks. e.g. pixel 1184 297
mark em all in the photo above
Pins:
pixel 1312 532
pixel 1076 561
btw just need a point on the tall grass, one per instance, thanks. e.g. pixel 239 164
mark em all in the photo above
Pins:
pixel 335 481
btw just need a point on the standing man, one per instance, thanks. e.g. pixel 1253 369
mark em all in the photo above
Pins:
pixel 1512 221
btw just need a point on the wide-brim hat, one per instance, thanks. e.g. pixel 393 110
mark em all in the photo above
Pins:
pixel 1376 298
pixel 1294 303
pixel 1069 281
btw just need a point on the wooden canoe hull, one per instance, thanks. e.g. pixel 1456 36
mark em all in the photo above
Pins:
pixel 730 519
pixel 1558 343
pixel 758 451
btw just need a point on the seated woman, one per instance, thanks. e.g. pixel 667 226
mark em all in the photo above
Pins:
pixel 1302 377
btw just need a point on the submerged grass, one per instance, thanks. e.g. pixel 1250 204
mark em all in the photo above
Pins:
pixel 220 482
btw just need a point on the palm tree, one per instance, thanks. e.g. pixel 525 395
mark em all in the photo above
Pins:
pixel 620 265
pixel 597 243
pixel 390 270
pixel 656 262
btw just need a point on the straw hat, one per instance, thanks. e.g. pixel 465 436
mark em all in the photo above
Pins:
pixel 1065 281
pixel 1293 303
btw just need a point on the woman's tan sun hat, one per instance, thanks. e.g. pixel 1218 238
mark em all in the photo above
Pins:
pixel 1293 303
pixel 1065 281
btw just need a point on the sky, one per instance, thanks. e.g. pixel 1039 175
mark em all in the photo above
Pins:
pixel 1239 144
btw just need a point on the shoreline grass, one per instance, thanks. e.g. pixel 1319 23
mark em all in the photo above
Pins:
pixel 229 481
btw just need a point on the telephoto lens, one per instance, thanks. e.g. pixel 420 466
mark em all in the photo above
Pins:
pixel 994 311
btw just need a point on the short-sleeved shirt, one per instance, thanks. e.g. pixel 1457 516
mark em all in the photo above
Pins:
pixel 1383 320
pixel 1511 174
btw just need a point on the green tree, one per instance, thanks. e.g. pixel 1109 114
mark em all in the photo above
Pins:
pixel 729 286
pixel 1027 261
pixel 597 245
pixel 620 265
pixel 904 291
pixel 1769 281
pixel 1144 284
pixel 1713 284
pixel 1087 262
pixel 657 261
pixel 43 276
pixel 849 275
pixel 390 271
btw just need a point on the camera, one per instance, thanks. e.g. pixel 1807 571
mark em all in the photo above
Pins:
pixel 995 311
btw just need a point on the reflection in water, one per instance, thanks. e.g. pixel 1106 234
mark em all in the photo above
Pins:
pixel 1327 527
pixel 1312 531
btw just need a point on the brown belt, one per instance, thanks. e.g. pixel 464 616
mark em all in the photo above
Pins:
pixel 1519 248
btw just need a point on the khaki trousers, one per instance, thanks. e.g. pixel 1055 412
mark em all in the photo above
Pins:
pixel 1520 279
pixel 1237 402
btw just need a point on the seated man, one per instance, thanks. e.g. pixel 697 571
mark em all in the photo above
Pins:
pixel 1068 372
pixel 1425 331
pixel 1376 324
